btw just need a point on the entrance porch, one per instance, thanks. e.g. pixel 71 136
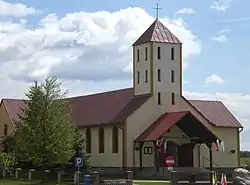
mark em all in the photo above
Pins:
pixel 174 134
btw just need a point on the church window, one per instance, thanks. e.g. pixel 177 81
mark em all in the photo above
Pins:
pixel 138 55
pixel 115 140
pixel 101 140
pixel 88 140
pixel 146 76
pixel 173 99
pixel 159 75
pixel 148 150
pixel 172 53
pixel 146 53
pixel 159 98
pixel 5 131
pixel 159 52
pixel 138 77
pixel 172 76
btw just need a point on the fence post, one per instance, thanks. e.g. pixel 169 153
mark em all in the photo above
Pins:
pixel 174 177
pixel 96 178
pixel 17 172
pixel 59 174
pixel 77 177
pixel 30 173
pixel 130 175
pixel 4 172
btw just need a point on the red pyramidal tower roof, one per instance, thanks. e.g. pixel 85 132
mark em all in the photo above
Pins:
pixel 157 32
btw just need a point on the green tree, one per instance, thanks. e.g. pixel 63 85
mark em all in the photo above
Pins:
pixel 45 134
pixel 9 161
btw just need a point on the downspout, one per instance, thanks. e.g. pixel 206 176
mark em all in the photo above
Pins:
pixel 238 139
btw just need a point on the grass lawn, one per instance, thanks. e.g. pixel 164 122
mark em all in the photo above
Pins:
pixel 20 182
pixel 150 182
pixel 245 160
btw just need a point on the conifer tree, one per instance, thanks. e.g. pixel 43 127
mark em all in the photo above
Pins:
pixel 45 135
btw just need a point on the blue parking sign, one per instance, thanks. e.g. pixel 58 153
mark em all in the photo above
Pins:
pixel 78 162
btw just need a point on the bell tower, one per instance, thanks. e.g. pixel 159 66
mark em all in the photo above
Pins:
pixel 157 64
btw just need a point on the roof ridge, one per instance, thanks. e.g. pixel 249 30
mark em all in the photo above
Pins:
pixel 100 93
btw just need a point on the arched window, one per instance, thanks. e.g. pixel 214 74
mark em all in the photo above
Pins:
pixel 5 131
pixel 101 140
pixel 88 140
pixel 115 140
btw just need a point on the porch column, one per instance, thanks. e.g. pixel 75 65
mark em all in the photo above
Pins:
pixel 156 155
pixel 209 145
pixel 141 145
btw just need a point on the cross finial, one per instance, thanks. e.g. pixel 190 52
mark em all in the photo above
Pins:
pixel 157 9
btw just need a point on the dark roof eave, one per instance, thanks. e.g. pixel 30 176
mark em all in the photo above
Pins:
pixel 100 124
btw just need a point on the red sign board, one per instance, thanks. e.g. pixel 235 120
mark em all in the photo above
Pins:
pixel 169 161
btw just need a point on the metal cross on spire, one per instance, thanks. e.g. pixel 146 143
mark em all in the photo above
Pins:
pixel 157 9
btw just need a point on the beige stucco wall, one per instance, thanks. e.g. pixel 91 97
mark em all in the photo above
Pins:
pixel 106 159
pixel 4 119
pixel 225 159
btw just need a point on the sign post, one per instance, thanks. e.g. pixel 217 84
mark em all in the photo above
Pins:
pixel 78 164
pixel 170 162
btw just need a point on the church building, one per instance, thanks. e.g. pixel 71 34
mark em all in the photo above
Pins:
pixel 140 126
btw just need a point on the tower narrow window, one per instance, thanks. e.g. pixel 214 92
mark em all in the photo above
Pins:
pixel 159 98
pixel 146 76
pixel 173 99
pixel 172 76
pixel 146 53
pixel 138 77
pixel 138 55
pixel 159 52
pixel 172 53
pixel 101 140
pixel 88 140
pixel 159 75
pixel 115 140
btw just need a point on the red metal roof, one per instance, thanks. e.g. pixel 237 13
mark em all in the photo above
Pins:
pixel 91 110
pixel 157 32
pixel 216 112
pixel 116 106
pixel 161 126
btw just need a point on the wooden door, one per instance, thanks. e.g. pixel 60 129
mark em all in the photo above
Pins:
pixel 185 155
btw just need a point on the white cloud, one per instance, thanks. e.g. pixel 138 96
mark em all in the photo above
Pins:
pixel 186 11
pixel 15 9
pixel 214 80
pixel 221 5
pixel 221 38
pixel 82 46
pixel 237 103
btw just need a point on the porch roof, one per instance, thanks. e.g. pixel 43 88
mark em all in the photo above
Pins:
pixel 185 120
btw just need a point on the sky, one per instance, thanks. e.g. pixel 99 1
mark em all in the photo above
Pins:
pixel 87 44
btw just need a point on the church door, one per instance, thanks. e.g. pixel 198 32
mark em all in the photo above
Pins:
pixel 185 157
